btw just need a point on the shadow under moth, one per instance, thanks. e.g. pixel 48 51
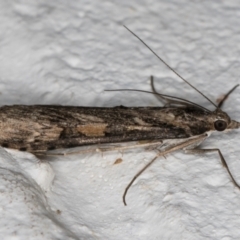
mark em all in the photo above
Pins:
pixel 40 128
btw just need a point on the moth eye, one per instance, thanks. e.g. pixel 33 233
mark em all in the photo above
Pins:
pixel 220 125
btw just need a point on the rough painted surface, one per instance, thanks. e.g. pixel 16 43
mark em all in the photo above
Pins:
pixel 68 53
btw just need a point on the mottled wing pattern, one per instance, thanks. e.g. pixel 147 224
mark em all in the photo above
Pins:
pixel 40 128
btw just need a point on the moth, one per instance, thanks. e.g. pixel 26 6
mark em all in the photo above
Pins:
pixel 40 128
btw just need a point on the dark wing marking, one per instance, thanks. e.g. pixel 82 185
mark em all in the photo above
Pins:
pixel 40 128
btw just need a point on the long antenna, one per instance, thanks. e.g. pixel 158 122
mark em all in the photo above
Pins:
pixel 168 97
pixel 170 67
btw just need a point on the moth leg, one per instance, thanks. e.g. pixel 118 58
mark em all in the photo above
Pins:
pixel 152 145
pixel 160 98
pixel 224 163
pixel 107 148
pixel 141 144
pixel 168 102
pixel 135 177
pixel 182 145
pixel 84 151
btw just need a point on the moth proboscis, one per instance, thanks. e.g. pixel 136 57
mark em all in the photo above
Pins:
pixel 184 124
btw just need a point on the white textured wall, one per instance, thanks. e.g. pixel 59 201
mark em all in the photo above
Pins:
pixel 68 52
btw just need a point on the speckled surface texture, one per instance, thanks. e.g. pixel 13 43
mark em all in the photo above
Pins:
pixel 68 53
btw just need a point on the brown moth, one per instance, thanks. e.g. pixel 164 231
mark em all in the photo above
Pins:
pixel 40 128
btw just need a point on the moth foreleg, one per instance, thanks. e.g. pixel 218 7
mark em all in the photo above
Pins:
pixel 224 163
pixel 182 145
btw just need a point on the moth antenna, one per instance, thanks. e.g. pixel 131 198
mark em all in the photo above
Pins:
pixel 167 97
pixel 226 96
pixel 170 67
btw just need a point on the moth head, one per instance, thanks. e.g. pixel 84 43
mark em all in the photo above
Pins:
pixel 223 122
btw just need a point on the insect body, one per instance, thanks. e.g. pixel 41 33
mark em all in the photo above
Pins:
pixel 40 128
